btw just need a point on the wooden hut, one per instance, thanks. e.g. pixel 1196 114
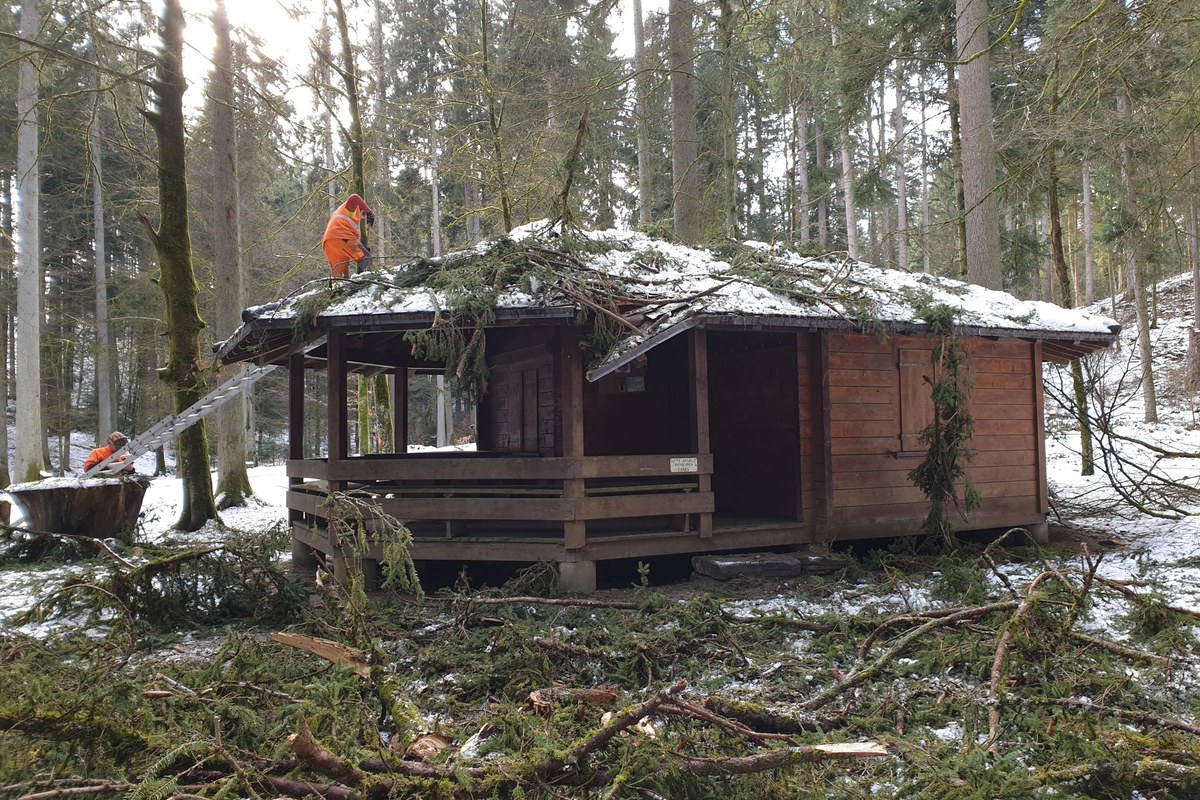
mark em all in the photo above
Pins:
pixel 645 399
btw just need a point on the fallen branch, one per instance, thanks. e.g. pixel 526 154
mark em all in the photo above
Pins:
pixel 997 677
pixel 684 708
pixel 1141 598
pixel 778 759
pixel 553 601
pixel 554 764
pixel 859 676
pixel 51 535
pixel 319 759
pixel 1123 713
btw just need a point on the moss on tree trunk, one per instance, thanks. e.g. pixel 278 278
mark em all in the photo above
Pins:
pixel 172 241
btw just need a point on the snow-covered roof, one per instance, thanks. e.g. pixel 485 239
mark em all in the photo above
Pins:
pixel 663 287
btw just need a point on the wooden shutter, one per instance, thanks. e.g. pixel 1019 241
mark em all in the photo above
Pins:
pixel 916 397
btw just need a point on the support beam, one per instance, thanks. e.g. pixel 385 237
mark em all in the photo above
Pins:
pixel 698 410
pixel 295 425
pixel 570 366
pixel 400 411
pixel 337 420
pixel 296 406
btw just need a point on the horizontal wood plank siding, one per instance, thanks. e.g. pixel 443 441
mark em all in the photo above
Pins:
pixel 869 470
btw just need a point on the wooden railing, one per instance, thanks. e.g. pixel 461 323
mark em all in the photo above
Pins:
pixel 514 488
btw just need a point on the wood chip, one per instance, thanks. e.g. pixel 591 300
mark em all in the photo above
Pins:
pixel 426 745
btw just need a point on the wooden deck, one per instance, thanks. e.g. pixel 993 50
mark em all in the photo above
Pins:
pixel 469 507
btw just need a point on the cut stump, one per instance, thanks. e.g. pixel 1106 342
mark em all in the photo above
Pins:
pixel 101 508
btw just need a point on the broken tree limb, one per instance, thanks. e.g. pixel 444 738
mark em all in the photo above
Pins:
pixel 329 650
pixel 75 537
pixel 960 613
pixel 320 760
pixel 626 719
pixel 997 676
pixel 761 719
pixel 825 696
pixel 1141 598
pixel 1142 717
pixel 684 708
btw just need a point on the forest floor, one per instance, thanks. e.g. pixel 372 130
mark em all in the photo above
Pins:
pixel 996 669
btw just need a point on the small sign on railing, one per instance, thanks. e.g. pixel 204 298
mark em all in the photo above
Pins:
pixel 684 465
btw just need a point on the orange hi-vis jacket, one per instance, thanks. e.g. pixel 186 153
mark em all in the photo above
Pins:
pixel 342 241
pixel 98 455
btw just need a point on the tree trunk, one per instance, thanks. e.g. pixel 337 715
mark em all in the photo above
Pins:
pixel 233 483
pixel 177 280
pixel 1193 363
pixel 978 145
pixel 953 90
pixel 28 371
pixel 494 121
pixel 383 408
pixel 844 147
pixel 645 186
pixel 349 72
pixel 685 183
pixel 6 294
pixel 380 158
pixel 1089 254
pixel 925 210
pixel 105 354
pixel 1065 298
pixel 804 212
pixel 729 204
pixel 898 156
pixel 822 153
pixel 1132 247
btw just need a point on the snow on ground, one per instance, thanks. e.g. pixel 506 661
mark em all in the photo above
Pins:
pixel 1162 553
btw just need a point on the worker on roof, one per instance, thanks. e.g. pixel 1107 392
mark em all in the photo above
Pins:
pixel 116 440
pixel 343 238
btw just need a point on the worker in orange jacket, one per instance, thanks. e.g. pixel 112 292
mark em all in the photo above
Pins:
pixel 116 440
pixel 343 238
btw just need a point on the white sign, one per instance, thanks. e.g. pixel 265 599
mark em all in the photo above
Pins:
pixel 684 465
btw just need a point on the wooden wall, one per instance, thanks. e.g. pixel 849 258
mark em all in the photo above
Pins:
pixel 519 413
pixel 871 402
pixel 642 410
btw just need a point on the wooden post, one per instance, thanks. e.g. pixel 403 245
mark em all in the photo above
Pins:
pixel 400 411
pixel 335 369
pixel 1039 430
pixel 295 409
pixel 825 505
pixel 571 378
pixel 698 408
pixel 301 553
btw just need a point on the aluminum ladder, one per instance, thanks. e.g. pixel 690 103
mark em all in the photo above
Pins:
pixel 172 425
